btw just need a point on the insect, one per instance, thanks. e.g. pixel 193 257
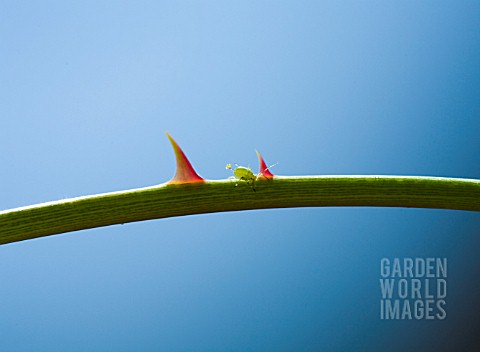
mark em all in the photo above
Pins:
pixel 242 173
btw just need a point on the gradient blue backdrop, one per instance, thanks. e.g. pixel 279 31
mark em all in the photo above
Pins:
pixel 88 89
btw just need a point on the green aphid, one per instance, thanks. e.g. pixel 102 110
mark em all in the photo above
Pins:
pixel 242 173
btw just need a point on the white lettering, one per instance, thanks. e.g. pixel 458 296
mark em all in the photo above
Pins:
pixel 441 288
pixel 416 285
pixel 442 313
pixel 392 311
pixel 403 288
pixel 397 270
pixel 386 286
pixel 419 267
pixel 441 267
pixel 406 311
pixel 385 267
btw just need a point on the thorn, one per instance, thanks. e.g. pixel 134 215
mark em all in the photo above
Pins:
pixel 184 172
pixel 264 170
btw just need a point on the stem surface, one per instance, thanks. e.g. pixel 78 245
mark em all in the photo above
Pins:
pixel 168 200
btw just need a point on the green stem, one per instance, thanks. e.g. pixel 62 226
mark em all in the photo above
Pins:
pixel 167 200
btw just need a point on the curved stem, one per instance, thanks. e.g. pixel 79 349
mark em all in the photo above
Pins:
pixel 167 200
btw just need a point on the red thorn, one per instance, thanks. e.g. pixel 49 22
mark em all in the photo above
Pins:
pixel 263 167
pixel 185 172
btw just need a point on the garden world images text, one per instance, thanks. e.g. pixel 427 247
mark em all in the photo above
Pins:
pixel 413 288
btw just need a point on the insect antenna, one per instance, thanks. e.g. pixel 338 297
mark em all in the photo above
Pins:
pixel 267 168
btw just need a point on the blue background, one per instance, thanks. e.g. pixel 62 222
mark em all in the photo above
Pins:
pixel 87 91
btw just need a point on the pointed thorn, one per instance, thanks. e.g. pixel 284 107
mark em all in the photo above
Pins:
pixel 185 172
pixel 263 167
